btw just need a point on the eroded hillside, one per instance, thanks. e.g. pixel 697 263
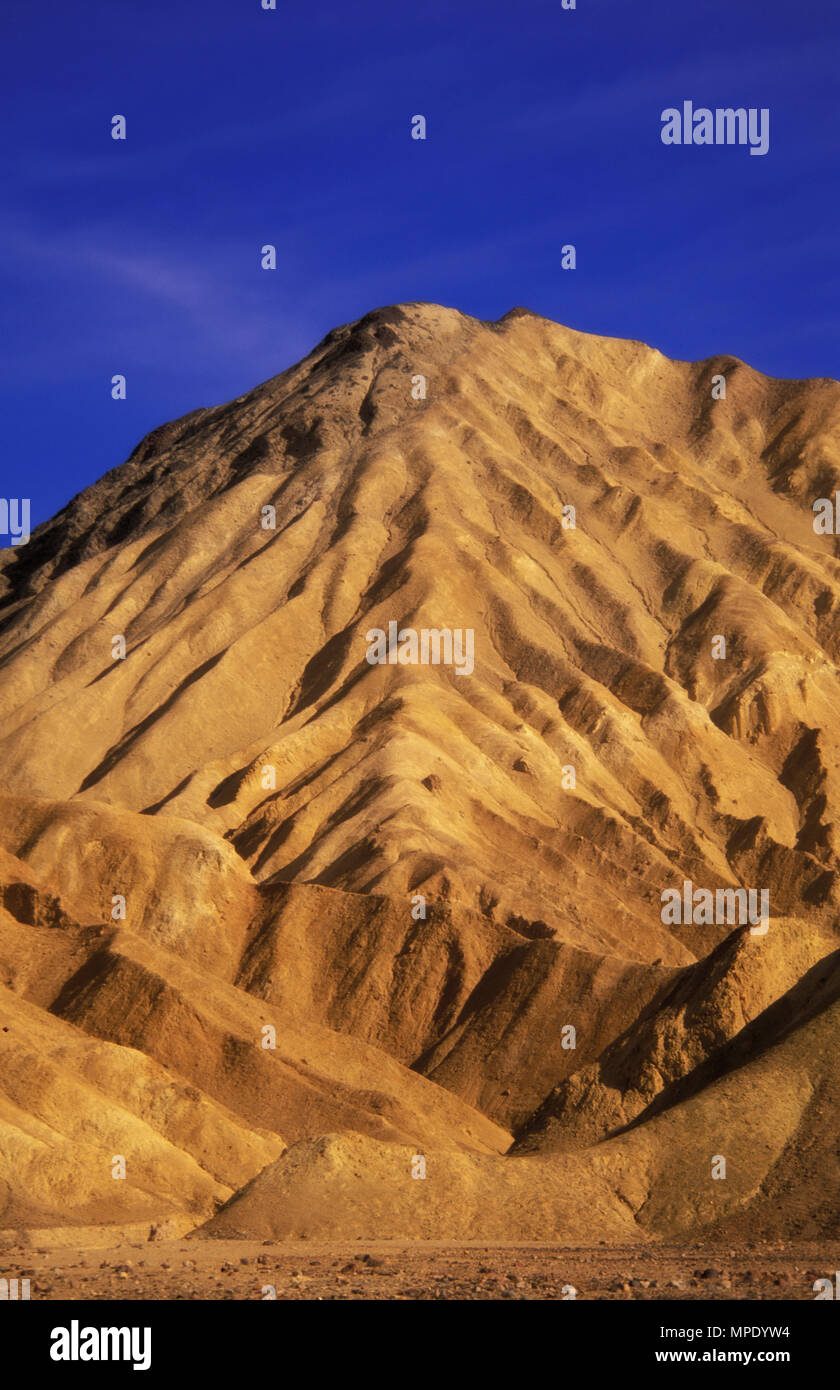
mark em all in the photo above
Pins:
pixel 265 899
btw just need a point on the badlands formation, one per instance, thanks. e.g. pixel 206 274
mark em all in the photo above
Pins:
pixel 299 943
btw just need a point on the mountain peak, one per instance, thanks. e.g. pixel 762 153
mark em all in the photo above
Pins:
pixel 397 696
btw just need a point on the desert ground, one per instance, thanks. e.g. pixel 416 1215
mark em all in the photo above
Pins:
pixel 227 1269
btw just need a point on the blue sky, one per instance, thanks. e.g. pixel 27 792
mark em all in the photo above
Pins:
pixel 293 127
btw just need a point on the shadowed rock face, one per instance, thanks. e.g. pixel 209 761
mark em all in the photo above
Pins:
pixel 271 806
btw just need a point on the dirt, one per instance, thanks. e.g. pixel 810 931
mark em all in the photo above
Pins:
pixel 188 1269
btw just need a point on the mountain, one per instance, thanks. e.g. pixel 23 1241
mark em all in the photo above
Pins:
pixel 278 917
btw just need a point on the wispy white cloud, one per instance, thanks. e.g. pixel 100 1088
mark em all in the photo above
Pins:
pixel 157 305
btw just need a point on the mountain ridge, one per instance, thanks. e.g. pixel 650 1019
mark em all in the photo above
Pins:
pixel 438 874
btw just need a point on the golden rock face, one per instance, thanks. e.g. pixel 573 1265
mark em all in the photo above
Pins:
pixel 270 906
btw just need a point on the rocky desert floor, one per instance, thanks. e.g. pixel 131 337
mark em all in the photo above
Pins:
pixel 228 1269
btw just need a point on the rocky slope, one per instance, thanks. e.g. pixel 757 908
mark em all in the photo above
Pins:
pixel 319 915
